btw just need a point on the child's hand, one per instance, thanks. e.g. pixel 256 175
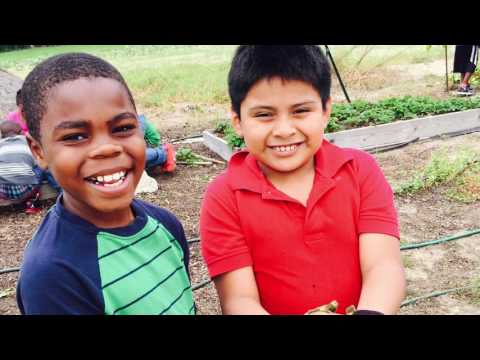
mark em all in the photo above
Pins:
pixel 327 309
pixel 330 309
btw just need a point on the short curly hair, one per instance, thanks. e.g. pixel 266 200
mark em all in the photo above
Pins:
pixel 54 71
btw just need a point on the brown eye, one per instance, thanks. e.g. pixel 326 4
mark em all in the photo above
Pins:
pixel 302 110
pixel 124 128
pixel 74 137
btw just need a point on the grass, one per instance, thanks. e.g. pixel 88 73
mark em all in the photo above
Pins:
pixel 159 75
pixel 163 75
pixel 445 168
pixel 408 261
pixel 367 57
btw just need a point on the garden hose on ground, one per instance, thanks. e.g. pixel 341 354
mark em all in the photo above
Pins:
pixel 6 271
pixel 404 247
pixel 439 241
pixel 435 294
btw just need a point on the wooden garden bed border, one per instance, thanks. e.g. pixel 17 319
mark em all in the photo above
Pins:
pixel 377 137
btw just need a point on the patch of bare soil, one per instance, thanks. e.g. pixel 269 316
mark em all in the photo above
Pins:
pixel 430 215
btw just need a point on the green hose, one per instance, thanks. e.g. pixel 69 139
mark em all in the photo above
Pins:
pixel 439 241
pixel 435 294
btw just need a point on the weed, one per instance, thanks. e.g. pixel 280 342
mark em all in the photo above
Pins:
pixel 408 261
pixel 186 155
pixel 442 168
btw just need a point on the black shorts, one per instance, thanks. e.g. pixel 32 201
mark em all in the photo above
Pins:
pixel 466 58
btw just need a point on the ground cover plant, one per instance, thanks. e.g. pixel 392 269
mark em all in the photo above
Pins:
pixel 459 171
pixel 362 113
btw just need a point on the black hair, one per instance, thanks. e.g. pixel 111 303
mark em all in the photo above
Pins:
pixel 18 98
pixel 9 128
pixel 54 71
pixel 252 63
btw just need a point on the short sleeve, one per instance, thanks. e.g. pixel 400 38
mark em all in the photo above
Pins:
pixel 377 208
pixel 54 288
pixel 223 243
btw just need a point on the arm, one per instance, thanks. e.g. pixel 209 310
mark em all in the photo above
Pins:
pixel 383 275
pixel 56 289
pixel 226 252
pixel 238 293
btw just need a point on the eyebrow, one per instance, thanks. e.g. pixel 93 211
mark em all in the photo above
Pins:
pixel 265 107
pixel 81 124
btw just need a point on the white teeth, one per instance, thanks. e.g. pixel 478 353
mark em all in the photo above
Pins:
pixel 285 148
pixel 109 178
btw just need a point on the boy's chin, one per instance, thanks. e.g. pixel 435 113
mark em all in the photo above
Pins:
pixel 113 205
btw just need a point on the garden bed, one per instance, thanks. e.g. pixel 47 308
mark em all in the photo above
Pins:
pixel 380 137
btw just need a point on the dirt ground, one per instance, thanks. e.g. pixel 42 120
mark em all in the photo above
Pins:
pixel 425 216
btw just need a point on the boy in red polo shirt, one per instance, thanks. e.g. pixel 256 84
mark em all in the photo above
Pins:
pixel 296 222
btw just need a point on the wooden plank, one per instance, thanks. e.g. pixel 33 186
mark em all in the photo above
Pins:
pixel 383 136
pixel 407 130
pixel 217 145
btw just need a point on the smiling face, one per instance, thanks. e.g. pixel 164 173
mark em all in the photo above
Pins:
pixel 282 123
pixel 91 142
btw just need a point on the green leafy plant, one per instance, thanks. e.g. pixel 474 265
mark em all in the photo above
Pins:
pixel 234 141
pixel 442 168
pixel 186 155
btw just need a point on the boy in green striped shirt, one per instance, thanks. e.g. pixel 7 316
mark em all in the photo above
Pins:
pixel 98 250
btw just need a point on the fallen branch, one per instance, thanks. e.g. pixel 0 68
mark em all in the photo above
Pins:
pixel 194 163
pixel 210 159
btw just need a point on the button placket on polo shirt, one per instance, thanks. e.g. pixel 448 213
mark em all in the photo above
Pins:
pixel 321 186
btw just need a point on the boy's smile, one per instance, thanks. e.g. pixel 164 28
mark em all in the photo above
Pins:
pixel 282 123
pixel 90 141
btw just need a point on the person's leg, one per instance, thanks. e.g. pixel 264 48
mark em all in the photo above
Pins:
pixel 43 175
pixel 465 79
pixel 162 158
pixel 155 157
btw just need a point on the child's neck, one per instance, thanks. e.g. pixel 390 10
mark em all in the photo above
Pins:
pixel 297 184
pixel 105 220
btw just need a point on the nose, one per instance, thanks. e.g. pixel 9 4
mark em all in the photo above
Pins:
pixel 284 127
pixel 105 151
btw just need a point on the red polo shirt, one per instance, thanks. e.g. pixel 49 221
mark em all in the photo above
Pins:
pixel 302 257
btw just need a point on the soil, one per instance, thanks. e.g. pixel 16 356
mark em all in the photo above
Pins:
pixel 424 216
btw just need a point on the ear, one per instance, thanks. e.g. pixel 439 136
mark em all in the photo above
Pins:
pixel 235 120
pixel 327 110
pixel 37 152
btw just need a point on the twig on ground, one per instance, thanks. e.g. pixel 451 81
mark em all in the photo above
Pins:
pixel 195 163
pixel 210 159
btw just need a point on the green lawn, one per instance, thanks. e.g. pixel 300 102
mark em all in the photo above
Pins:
pixel 162 75
pixel 158 75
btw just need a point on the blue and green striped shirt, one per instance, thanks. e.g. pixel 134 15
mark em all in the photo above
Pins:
pixel 72 267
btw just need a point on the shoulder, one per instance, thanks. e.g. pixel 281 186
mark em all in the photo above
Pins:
pixel 165 217
pixel 363 162
pixel 219 185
